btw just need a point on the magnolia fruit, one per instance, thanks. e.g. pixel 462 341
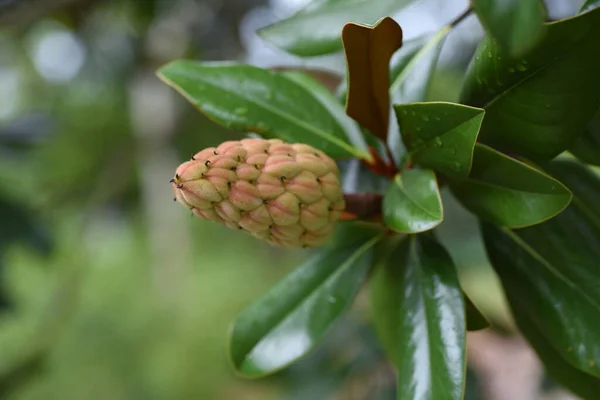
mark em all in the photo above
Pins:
pixel 286 194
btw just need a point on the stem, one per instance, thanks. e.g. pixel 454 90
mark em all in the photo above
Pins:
pixel 461 17
pixel 363 205
pixel 392 166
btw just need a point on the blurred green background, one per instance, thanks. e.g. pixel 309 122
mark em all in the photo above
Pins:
pixel 108 289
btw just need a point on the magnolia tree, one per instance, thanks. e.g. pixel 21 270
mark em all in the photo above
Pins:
pixel 516 151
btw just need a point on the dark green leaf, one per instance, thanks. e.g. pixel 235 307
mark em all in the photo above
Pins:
pixel 508 192
pixel 331 103
pixel 440 135
pixel 412 67
pixel 517 25
pixel 551 270
pixel 583 385
pixel 326 78
pixel 538 104
pixel 475 319
pixel 315 30
pixel 412 203
pixel 419 314
pixel 582 181
pixel 587 145
pixel 248 98
pixel 368 51
pixel 292 318
pixel 588 5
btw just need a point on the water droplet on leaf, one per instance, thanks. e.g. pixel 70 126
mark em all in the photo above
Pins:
pixel 521 67
pixel 425 118
pixel 511 69
pixel 241 111
pixel 437 141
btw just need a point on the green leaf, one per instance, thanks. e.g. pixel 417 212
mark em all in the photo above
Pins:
pixel 509 193
pixel 419 314
pixel 331 103
pixel 551 270
pixel 292 318
pixel 368 51
pixel 412 202
pixel 547 290
pixel 440 135
pixel 315 30
pixel 588 5
pixel 247 98
pixel 587 145
pixel 476 321
pixel 413 66
pixel 537 105
pixel 583 385
pixel 582 181
pixel 517 25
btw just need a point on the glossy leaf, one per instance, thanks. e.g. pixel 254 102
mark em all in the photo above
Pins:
pixel 330 102
pixel 583 385
pixel 329 79
pixel 412 202
pixel 440 135
pixel 550 298
pixel 517 25
pixel 587 145
pixel 589 4
pixel 538 104
pixel 413 66
pixel 368 52
pixel 509 193
pixel 551 270
pixel 292 318
pixel 248 98
pixel 419 314
pixel 315 30
pixel 476 321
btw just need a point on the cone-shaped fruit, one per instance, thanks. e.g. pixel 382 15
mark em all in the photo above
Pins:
pixel 286 194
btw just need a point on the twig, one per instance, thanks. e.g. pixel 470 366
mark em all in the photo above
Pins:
pixel 363 206
pixel 461 17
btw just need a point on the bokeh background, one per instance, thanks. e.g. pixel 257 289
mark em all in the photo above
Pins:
pixel 108 289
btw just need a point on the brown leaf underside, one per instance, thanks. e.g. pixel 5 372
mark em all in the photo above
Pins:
pixel 368 53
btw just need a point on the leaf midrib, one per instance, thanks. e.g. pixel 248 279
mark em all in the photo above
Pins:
pixel 537 256
pixel 496 186
pixel 400 185
pixel 419 272
pixel 448 132
pixel 536 72
pixel 337 271
pixel 324 135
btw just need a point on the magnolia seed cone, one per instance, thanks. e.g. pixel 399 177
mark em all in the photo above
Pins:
pixel 286 194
